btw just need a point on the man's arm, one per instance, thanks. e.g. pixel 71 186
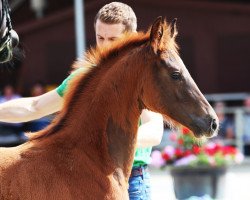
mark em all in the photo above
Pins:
pixel 151 130
pixel 30 108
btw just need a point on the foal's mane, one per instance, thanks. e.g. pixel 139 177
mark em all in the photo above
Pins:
pixel 96 56
pixel 93 61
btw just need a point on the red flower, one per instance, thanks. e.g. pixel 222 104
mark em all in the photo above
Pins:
pixel 180 141
pixel 166 157
pixel 217 148
pixel 185 131
pixel 211 153
pixel 196 149
pixel 178 153
pixel 210 150
pixel 187 153
pixel 229 150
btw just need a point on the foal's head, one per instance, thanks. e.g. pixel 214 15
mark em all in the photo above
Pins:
pixel 169 88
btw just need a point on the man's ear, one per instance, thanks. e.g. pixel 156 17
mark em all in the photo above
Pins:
pixel 156 34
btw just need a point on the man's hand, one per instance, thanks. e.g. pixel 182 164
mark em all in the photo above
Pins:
pixel 151 131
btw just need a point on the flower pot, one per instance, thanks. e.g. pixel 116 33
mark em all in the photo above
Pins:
pixel 198 181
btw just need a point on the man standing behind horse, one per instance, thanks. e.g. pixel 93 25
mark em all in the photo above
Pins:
pixel 111 22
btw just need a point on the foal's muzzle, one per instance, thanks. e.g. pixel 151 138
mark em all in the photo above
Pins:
pixel 207 127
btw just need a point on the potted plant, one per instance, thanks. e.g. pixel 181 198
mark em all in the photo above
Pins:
pixel 197 166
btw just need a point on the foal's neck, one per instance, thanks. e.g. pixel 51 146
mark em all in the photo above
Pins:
pixel 105 116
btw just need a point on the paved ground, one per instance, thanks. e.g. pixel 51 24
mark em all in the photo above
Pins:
pixel 237 184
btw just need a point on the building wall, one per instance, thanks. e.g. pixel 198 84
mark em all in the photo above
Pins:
pixel 214 41
pixel 49 48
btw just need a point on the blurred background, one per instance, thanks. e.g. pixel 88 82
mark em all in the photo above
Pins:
pixel 214 41
pixel 213 38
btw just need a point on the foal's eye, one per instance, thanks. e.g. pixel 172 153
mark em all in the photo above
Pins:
pixel 176 75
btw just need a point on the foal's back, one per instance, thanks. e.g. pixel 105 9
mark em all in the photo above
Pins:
pixel 30 172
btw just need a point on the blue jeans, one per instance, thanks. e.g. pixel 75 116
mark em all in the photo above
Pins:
pixel 139 184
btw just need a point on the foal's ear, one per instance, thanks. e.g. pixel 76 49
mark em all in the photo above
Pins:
pixel 173 31
pixel 156 34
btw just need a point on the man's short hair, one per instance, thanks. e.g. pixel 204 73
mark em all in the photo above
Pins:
pixel 116 12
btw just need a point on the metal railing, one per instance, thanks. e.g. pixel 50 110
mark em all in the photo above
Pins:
pixel 238 113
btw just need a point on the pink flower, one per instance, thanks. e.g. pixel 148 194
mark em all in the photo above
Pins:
pixel 169 150
pixel 173 137
pixel 212 161
pixel 185 160
pixel 180 141
pixel 187 151
pixel 156 159
pixel 239 157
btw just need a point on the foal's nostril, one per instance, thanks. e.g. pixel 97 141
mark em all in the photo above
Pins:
pixel 213 125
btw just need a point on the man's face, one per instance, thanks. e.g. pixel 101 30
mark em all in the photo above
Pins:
pixel 107 33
